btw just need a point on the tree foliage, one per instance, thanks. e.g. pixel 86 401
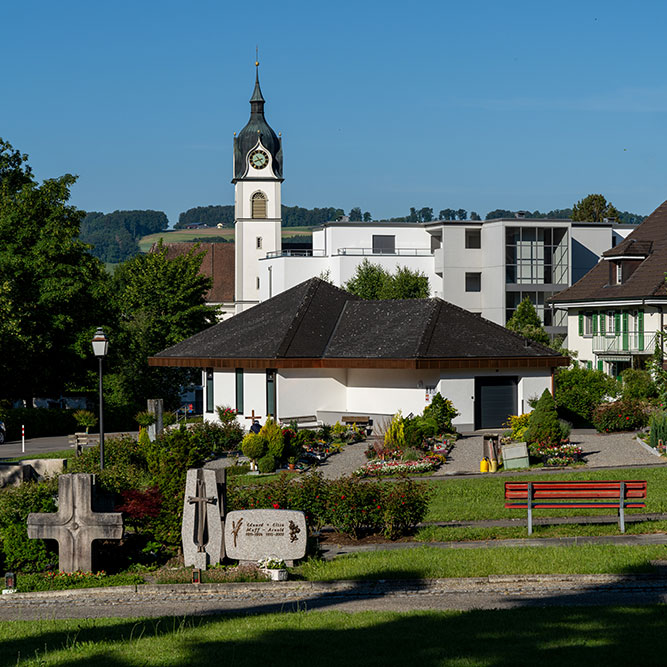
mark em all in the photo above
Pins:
pixel 526 322
pixel 593 208
pixel 159 302
pixel 372 281
pixel 114 235
pixel 52 291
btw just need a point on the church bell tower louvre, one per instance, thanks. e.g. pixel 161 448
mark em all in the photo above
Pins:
pixel 258 175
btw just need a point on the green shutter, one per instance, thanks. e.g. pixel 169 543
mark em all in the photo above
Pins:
pixel 626 333
pixel 581 324
pixel 640 330
pixel 617 323
pixel 603 324
pixel 600 365
pixel 589 365
pixel 595 324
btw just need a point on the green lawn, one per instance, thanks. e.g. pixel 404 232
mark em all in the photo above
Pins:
pixel 475 498
pixel 523 636
pixel 60 454
pixel 434 563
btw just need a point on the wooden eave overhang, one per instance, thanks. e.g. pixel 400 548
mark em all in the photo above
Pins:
pixel 416 364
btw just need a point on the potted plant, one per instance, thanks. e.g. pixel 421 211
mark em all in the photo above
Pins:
pixel 274 567
pixel 291 462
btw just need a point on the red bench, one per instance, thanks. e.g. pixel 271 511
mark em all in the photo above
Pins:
pixel 620 495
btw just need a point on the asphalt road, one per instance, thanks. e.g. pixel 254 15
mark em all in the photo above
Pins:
pixel 37 446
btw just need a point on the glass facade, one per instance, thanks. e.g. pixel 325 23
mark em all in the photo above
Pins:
pixel 536 258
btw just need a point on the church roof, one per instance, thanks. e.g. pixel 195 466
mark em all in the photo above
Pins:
pixel 647 242
pixel 257 129
pixel 318 325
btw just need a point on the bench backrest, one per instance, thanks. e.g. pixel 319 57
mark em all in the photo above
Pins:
pixel 571 490
pixel 355 420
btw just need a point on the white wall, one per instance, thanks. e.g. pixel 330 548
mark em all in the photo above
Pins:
pixel 305 391
pixel 224 392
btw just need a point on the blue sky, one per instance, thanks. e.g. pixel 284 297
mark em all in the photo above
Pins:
pixel 382 105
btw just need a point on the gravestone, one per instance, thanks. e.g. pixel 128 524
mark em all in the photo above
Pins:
pixel 515 456
pixel 203 511
pixel 75 525
pixel 254 534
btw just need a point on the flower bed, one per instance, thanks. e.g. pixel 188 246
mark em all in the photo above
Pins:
pixel 557 455
pixel 397 467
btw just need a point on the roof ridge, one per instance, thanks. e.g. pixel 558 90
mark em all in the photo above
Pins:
pixel 429 327
pixel 325 350
pixel 298 318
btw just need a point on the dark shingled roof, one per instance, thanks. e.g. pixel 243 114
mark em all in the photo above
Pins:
pixel 217 264
pixel 316 320
pixel 648 240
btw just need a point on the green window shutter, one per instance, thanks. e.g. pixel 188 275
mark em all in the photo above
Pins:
pixel 603 324
pixel 581 324
pixel 617 323
pixel 640 321
pixel 589 365
pixel 595 324
pixel 600 365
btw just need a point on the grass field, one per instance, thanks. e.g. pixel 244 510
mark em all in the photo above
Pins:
pixel 434 563
pixel 181 235
pixel 523 636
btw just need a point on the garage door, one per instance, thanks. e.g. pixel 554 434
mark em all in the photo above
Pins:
pixel 495 400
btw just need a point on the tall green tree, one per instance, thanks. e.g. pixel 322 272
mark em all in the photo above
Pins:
pixel 372 281
pixel 593 208
pixel 355 214
pixel 52 291
pixel 159 302
pixel 526 322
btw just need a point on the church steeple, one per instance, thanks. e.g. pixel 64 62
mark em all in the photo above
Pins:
pixel 257 129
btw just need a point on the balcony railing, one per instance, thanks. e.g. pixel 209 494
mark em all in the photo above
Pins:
pixel 632 342
pixel 295 253
pixel 411 252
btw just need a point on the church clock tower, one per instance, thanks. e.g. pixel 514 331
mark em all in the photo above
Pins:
pixel 258 174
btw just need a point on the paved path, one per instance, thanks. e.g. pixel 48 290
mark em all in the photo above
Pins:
pixel 493 592
pixel 34 447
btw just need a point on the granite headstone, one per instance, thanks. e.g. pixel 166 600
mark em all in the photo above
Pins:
pixel 254 534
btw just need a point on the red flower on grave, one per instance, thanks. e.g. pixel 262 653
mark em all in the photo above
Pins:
pixel 276 506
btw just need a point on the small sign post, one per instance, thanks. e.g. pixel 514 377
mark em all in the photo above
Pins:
pixel 22 438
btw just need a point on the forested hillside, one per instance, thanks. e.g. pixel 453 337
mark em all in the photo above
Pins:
pixel 114 235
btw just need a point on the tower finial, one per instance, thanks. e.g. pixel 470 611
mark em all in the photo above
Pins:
pixel 257 63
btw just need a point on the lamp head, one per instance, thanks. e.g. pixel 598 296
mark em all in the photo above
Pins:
pixel 100 343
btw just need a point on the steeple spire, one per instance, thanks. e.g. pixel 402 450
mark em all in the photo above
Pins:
pixel 257 100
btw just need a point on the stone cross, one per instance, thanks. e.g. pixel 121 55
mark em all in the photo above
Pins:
pixel 201 500
pixel 75 525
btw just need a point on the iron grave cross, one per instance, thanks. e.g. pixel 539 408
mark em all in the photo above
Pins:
pixel 75 525
pixel 201 500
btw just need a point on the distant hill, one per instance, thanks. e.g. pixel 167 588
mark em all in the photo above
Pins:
pixel 114 236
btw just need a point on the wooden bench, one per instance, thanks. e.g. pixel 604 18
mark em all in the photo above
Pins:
pixel 306 421
pixel 620 495
pixel 81 440
pixel 366 422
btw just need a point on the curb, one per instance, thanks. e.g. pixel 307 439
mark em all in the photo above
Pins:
pixel 347 588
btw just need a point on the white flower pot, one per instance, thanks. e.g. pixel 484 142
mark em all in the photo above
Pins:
pixel 276 575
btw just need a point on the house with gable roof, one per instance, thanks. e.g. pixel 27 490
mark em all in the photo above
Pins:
pixel 615 311
pixel 318 350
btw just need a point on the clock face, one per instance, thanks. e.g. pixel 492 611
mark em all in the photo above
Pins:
pixel 259 159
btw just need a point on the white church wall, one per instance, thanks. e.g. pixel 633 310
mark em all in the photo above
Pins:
pixel 307 391
pixel 224 392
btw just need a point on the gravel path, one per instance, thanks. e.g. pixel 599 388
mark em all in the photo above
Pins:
pixel 493 592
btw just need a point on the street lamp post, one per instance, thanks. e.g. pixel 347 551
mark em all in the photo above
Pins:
pixel 100 346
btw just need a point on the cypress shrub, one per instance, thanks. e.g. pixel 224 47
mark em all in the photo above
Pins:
pixel 543 425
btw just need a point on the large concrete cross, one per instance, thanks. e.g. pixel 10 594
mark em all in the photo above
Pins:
pixel 75 525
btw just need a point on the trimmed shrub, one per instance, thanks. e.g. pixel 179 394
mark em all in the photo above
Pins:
pixel 267 463
pixel 254 446
pixel 638 384
pixel 623 415
pixel 85 419
pixel 543 424
pixel 658 429
pixel 417 429
pixel 579 391
pixel 273 435
pixel 21 553
pixel 443 411
pixel 220 438
pixel 518 425
pixel 350 505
